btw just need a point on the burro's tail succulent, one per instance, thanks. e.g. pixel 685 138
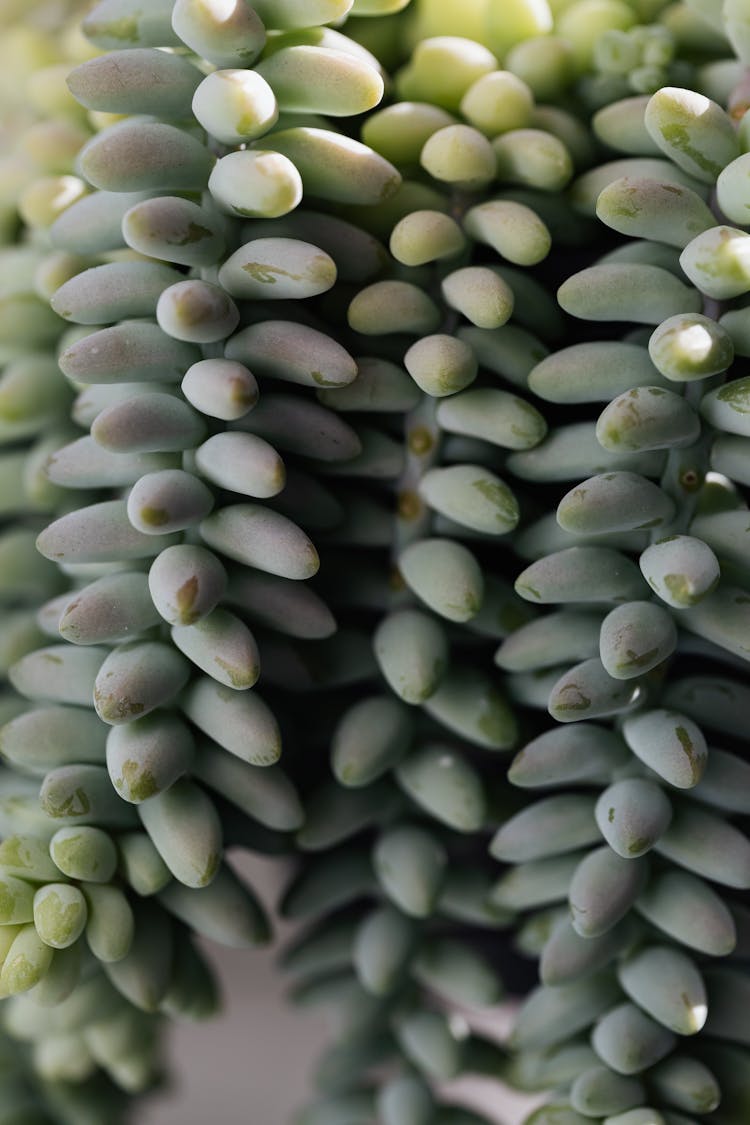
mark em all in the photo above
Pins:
pixel 373 439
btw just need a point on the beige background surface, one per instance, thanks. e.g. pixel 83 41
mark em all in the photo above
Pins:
pixel 253 1066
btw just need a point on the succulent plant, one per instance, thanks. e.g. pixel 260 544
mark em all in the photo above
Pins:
pixel 373 422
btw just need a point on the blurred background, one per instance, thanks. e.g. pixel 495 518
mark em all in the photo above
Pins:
pixel 255 1064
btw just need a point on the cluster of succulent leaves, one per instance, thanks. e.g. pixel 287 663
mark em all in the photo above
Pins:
pixel 364 367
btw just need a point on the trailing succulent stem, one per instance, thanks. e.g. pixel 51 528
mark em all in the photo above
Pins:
pixel 374 449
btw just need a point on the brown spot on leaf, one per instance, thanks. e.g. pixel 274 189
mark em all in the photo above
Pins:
pixel 185 599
